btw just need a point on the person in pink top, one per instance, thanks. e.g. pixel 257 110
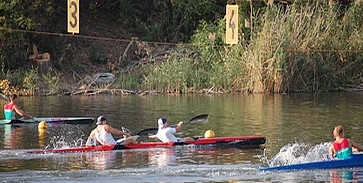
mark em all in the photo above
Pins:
pixel 102 135
pixel 11 108
pixel 342 147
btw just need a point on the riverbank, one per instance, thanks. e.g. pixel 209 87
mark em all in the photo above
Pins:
pixel 302 47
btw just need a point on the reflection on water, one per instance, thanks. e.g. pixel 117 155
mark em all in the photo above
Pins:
pixel 346 175
pixel 162 157
pixel 42 134
pixel 339 176
pixel 13 137
pixel 217 156
pixel 101 160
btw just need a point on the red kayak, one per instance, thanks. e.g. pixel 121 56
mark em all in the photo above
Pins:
pixel 237 142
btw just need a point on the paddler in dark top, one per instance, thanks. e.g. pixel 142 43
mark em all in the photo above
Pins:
pixel 342 147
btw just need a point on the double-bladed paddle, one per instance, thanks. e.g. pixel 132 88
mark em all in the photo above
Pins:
pixel 202 118
pixel 143 132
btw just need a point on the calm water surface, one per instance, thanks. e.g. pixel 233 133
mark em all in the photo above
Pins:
pixel 297 127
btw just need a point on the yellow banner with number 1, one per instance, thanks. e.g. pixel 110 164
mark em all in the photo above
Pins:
pixel 73 16
pixel 231 24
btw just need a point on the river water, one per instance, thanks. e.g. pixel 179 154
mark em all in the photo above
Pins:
pixel 298 128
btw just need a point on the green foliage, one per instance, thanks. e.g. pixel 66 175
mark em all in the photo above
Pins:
pixel 6 88
pixel 224 64
pixel 50 82
pixel 129 81
pixel 209 34
pixel 20 82
pixel 186 15
pixel 280 45
pixel 207 39
pixel 275 58
pixel 68 60
pixel 31 81
pixel 177 74
pixel 23 15
pixel 98 58
pixel 165 20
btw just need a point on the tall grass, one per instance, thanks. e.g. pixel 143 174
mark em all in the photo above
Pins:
pixel 176 75
pixel 308 46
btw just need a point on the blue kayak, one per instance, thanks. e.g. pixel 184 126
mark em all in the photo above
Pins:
pixel 355 160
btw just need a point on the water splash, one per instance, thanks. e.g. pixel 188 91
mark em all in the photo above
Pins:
pixel 299 153
pixel 9 154
pixel 65 136
pixel 57 142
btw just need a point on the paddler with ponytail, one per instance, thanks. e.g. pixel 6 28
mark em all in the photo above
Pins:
pixel 11 108
pixel 342 147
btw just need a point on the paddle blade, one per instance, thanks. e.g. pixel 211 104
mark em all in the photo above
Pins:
pixel 135 137
pixel 126 130
pixel 203 118
pixel 147 132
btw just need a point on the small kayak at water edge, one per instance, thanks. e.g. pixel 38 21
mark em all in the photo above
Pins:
pixel 235 142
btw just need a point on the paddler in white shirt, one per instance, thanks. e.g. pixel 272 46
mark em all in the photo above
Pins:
pixel 102 135
pixel 166 133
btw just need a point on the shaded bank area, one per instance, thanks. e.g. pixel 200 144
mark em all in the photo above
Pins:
pixel 300 47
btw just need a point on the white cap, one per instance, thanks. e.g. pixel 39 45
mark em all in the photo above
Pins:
pixel 161 122
pixel 100 119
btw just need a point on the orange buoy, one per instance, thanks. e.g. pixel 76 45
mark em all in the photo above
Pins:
pixel 42 125
pixel 209 134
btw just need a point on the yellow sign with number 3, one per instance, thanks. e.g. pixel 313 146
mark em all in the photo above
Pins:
pixel 73 16
pixel 231 24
